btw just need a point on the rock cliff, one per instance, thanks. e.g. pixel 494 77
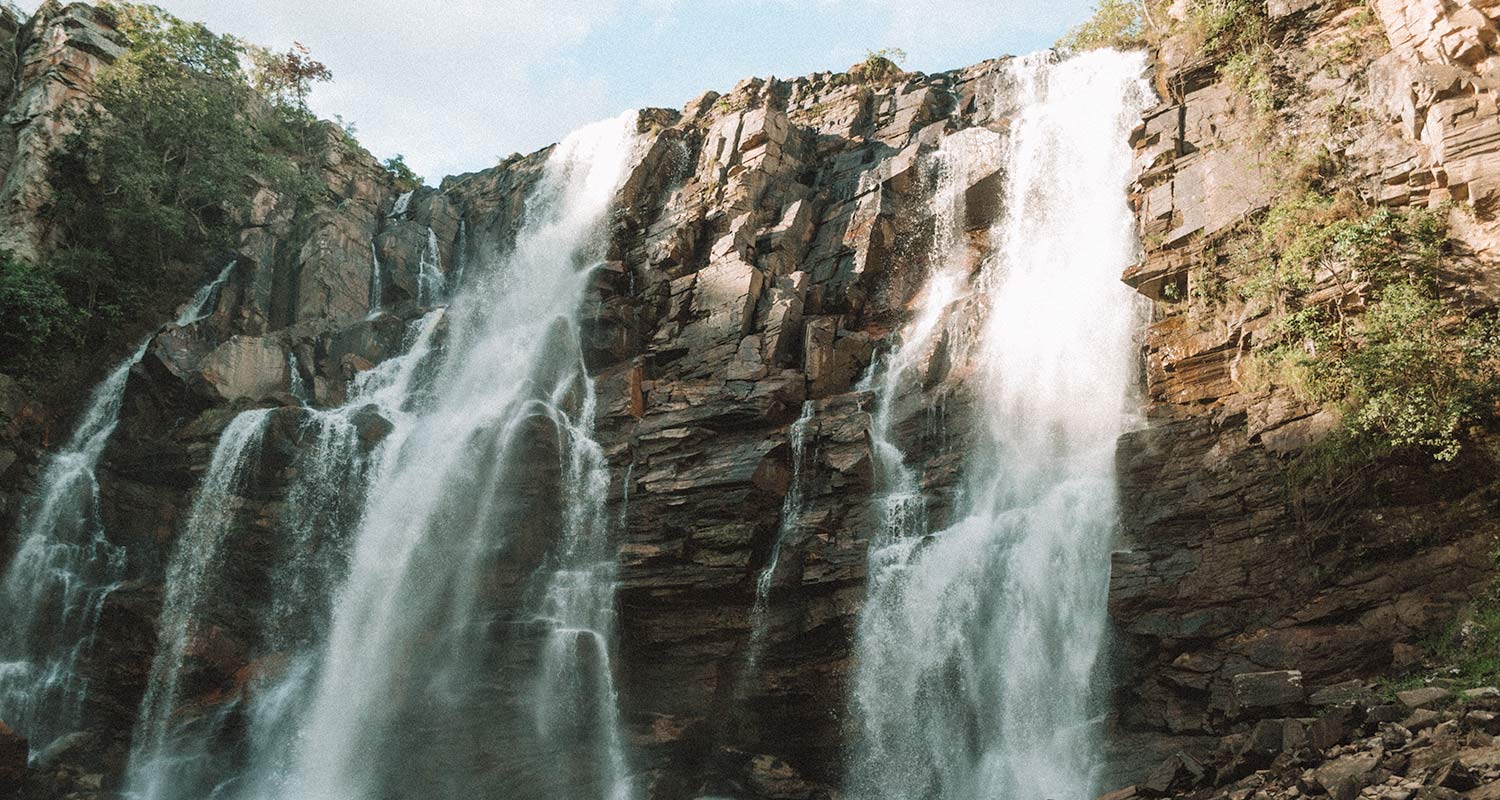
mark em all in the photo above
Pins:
pixel 766 244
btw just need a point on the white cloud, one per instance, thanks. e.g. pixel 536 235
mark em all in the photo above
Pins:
pixel 453 84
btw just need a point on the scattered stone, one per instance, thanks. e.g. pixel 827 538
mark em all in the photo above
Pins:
pixel 1425 697
pixel 1455 775
pixel 1178 774
pixel 1344 777
pixel 1421 720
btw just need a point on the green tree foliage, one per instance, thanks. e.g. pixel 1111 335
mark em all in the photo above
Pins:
pixel 1117 24
pixel 158 174
pixel 38 318
pixel 406 179
pixel 1409 370
pixel 287 78
pixel 881 64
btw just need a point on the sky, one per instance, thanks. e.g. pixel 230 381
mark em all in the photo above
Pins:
pixel 456 85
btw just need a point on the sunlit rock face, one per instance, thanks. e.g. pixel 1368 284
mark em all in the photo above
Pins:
pixel 760 251
pixel 1227 567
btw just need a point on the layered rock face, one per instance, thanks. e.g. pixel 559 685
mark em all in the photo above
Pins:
pixel 1231 569
pixel 765 245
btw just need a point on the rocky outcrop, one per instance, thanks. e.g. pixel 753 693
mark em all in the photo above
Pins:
pixel 1346 742
pixel 1230 570
pixel 55 57
pixel 765 245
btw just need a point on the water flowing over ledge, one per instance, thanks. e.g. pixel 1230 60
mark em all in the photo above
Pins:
pixel 978 649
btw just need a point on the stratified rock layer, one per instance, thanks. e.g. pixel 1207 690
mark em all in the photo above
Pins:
pixel 765 246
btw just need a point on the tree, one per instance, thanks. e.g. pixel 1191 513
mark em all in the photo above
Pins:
pixel 287 78
pixel 406 178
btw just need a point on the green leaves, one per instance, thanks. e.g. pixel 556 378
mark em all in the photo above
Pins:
pixel 1118 24
pixel 38 318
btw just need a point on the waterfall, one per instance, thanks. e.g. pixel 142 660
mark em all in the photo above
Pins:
pixel 65 567
pixel 207 298
pixel 432 284
pixel 793 506
pixel 978 646
pixel 489 453
pixel 157 768
pixel 377 283
pixel 402 204
pixel 298 386
pixel 460 255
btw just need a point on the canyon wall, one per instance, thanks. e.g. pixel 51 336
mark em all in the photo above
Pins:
pixel 765 246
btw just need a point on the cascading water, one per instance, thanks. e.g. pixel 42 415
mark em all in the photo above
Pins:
pixel 207 298
pixel 432 284
pixel 55 586
pixel 157 765
pixel 297 386
pixel 978 645
pixel 377 283
pixel 793 506
pixel 177 755
pixel 408 674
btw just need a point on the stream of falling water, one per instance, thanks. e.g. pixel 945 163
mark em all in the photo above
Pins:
pixel 978 645
pixel 404 680
pixel 54 589
pixel 408 667
pixel 189 576
pixel 793 505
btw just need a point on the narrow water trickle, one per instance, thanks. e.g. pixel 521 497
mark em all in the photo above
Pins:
pixel 159 766
pixel 432 284
pixel 793 505
pixel 207 298
pixel 377 283
pixel 979 644
pixel 297 386
pixel 55 586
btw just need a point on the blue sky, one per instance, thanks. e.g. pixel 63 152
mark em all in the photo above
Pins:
pixel 454 84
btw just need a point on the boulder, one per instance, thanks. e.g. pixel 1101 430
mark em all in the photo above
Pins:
pixel 1424 698
pixel 1343 778
pixel 247 367
pixel 1177 775
pixel 1262 690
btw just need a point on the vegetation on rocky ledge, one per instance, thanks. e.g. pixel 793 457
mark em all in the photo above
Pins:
pixel 156 177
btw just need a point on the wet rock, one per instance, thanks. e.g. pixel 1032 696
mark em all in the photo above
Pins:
pixel 1259 690
pixel 13 755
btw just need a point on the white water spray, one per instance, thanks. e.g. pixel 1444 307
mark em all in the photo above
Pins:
pixel 979 644
pixel 157 765
pixel 414 635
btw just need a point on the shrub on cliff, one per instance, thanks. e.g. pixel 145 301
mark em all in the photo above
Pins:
pixel 1118 24
pixel 157 175
pixel 38 318
pixel 1401 362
